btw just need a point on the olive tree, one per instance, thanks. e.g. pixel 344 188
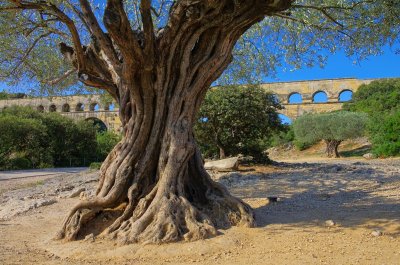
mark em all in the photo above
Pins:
pixel 157 59
pixel 333 128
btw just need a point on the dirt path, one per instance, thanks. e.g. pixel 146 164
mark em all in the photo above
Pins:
pixel 361 198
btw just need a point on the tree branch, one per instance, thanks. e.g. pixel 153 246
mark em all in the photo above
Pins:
pixel 148 30
pixel 61 78
pixel 95 29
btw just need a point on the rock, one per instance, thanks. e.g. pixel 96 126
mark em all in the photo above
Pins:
pixel 89 238
pixel 44 202
pixel 228 164
pixel 330 223
pixel 76 192
pixel 376 233
pixel 15 207
pixel 368 156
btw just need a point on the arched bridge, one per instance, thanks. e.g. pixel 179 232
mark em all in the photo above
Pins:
pixel 316 96
pixel 307 93
pixel 88 107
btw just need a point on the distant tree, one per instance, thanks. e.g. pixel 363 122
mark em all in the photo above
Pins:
pixel 236 119
pixel 333 128
pixel 381 101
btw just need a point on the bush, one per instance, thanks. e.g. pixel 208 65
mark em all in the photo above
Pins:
pixel 45 139
pixel 105 143
pixel 20 163
pixel 385 135
pixel 95 165
pixel 381 101
pixel 283 136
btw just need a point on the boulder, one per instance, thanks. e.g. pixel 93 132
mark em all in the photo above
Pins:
pixel 76 192
pixel 228 164
pixel 368 156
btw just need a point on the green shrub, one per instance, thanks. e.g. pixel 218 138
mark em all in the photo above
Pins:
pixel 45 139
pixel 385 135
pixel 105 143
pixel 95 165
pixel 20 163
pixel 381 101
pixel 283 136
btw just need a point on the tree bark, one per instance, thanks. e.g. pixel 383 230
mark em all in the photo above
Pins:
pixel 154 181
pixel 332 148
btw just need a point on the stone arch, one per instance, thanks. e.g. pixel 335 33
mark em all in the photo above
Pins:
pixel 345 95
pixel 295 97
pixel 66 108
pixel 320 97
pixel 53 108
pixel 80 107
pixel 40 108
pixel 109 106
pixel 101 126
pixel 94 106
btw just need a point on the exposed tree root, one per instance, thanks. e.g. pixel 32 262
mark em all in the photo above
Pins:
pixel 163 217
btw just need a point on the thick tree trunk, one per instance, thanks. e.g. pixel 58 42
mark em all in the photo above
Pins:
pixel 222 154
pixel 332 148
pixel 153 183
pixel 166 196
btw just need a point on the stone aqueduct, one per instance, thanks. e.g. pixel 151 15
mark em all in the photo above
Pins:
pixel 308 89
pixel 90 106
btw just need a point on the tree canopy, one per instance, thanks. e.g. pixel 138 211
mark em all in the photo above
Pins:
pixel 235 120
pixel 333 128
pixel 300 36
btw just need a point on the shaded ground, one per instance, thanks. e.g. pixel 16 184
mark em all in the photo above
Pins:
pixel 361 197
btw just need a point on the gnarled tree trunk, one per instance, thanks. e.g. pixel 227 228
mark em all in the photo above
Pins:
pixel 332 148
pixel 156 174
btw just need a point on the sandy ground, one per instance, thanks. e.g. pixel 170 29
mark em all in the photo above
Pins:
pixel 360 199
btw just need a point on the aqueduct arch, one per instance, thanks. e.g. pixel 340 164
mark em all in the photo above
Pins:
pixel 307 89
pixel 91 107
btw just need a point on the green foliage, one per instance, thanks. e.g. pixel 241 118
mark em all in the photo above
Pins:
pixel 377 98
pixel 385 135
pixel 236 119
pixel 283 136
pixel 29 49
pixel 95 165
pixel 20 138
pixel 48 140
pixel 105 143
pixel 381 101
pixel 337 126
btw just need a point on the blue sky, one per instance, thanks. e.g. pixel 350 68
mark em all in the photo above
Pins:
pixel 386 65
